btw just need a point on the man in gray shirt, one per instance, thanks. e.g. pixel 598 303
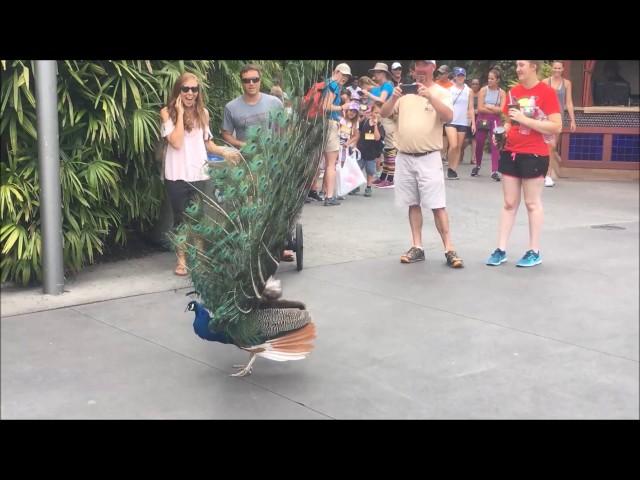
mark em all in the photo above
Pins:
pixel 251 108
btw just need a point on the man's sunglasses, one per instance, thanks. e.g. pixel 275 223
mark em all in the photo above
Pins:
pixel 186 89
pixel 251 80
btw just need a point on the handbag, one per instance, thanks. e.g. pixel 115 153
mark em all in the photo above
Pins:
pixel 483 124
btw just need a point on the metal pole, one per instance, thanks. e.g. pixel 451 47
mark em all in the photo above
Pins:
pixel 49 159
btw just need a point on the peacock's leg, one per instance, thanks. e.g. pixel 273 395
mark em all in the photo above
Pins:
pixel 245 370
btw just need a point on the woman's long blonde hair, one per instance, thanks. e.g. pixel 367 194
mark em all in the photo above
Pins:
pixel 200 115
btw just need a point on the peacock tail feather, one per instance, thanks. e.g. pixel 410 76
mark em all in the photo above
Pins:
pixel 234 234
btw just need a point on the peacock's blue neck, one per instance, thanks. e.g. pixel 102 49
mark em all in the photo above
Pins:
pixel 201 326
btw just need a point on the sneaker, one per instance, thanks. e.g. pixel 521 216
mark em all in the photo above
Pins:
pixel 413 255
pixel 451 174
pixel 495 176
pixel 530 259
pixel 367 192
pixel 475 171
pixel 355 191
pixel 497 257
pixel 340 197
pixel 548 181
pixel 330 202
pixel 377 181
pixel 386 184
pixel 381 184
pixel 453 260
pixel 314 195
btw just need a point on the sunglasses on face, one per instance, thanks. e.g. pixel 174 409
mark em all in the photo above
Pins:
pixel 251 80
pixel 186 89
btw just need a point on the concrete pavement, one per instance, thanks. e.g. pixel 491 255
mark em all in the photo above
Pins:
pixel 394 341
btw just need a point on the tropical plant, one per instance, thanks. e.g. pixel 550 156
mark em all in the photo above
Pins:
pixel 108 135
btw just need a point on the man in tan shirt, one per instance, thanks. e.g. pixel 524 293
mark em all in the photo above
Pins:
pixel 419 179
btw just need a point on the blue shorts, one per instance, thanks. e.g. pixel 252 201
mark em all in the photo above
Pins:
pixel 368 165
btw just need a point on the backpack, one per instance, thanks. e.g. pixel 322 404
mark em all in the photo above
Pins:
pixel 312 101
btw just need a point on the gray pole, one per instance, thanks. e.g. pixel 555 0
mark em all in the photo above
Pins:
pixel 49 159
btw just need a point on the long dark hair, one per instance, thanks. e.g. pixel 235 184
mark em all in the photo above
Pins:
pixel 200 116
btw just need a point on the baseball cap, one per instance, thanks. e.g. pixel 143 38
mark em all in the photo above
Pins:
pixel 395 65
pixel 459 71
pixel 343 68
pixel 444 69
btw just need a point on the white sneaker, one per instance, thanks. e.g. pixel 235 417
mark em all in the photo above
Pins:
pixel 548 181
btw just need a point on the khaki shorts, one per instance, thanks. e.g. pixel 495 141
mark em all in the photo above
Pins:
pixel 333 140
pixel 419 181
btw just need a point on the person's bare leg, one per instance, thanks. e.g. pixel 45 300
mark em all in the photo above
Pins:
pixel 441 219
pixel 329 180
pixel 456 160
pixel 532 188
pixel 452 153
pixel 511 192
pixel 415 222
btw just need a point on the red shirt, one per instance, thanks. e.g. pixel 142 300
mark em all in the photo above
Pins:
pixel 547 100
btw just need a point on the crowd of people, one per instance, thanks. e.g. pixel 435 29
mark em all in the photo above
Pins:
pixel 407 129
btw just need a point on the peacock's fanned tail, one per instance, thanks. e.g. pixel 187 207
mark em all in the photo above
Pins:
pixel 235 231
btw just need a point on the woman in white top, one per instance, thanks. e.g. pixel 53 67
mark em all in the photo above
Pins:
pixel 463 120
pixel 185 125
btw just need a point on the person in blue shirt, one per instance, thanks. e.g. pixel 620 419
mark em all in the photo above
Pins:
pixel 381 93
pixel 333 110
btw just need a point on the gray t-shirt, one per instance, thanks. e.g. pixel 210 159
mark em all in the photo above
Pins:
pixel 238 116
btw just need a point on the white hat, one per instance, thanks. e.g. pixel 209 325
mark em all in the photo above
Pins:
pixel 395 65
pixel 343 68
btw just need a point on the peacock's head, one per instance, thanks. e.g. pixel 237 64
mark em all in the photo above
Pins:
pixel 191 306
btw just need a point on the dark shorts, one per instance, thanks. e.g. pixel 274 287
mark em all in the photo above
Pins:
pixel 460 128
pixel 368 165
pixel 524 165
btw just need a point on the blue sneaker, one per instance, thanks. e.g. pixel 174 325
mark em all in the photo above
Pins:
pixel 497 257
pixel 530 259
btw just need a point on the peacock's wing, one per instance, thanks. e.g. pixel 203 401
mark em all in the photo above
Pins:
pixel 234 237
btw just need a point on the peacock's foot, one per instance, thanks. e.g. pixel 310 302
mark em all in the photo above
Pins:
pixel 244 370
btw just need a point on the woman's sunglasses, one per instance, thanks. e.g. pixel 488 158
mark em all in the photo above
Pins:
pixel 193 89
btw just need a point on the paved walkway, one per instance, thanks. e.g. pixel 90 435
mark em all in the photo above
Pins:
pixel 394 341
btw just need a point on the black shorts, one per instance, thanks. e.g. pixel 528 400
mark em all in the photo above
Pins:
pixel 525 165
pixel 459 128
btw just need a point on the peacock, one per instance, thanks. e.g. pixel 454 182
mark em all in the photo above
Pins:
pixel 233 237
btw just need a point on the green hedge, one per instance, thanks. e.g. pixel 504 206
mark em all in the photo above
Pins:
pixel 109 131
